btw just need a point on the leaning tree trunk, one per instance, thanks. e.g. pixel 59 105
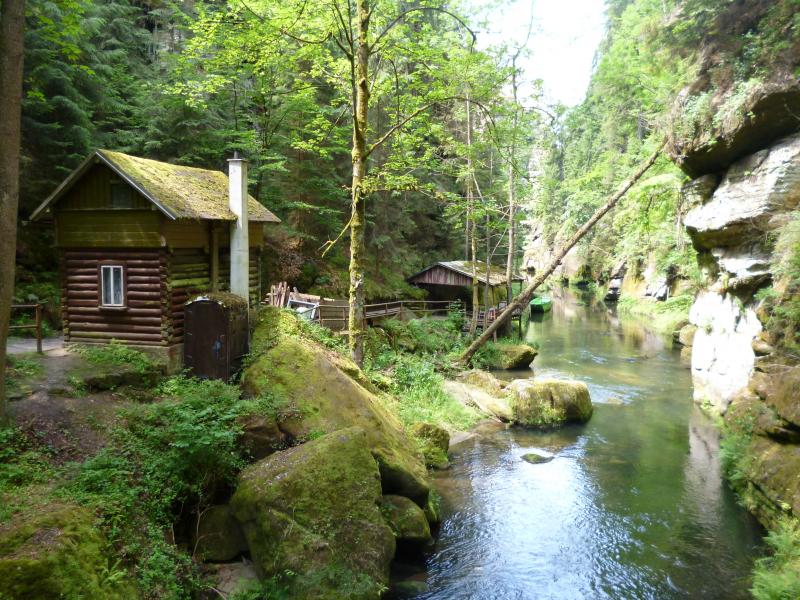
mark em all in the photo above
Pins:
pixel 12 22
pixel 356 321
pixel 522 300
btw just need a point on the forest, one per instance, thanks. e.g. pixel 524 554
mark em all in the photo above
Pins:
pixel 383 139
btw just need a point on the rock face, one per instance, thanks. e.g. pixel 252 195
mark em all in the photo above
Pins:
pixel 753 192
pixel 313 510
pixel 728 226
pixel 722 356
pixel 322 392
pixel 494 405
pixel 55 552
pixel 548 402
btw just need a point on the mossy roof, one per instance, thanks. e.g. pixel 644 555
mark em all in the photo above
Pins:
pixel 178 191
pixel 497 275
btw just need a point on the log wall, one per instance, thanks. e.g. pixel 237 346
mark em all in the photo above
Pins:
pixel 141 321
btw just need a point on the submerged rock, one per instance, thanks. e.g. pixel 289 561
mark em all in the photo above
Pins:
pixel 536 459
pixel 313 510
pixel 549 402
pixel 54 551
pixel 407 520
pixel 322 392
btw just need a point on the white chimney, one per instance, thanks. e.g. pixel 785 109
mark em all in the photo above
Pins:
pixel 237 197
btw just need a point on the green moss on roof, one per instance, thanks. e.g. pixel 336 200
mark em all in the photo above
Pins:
pixel 497 275
pixel 183 192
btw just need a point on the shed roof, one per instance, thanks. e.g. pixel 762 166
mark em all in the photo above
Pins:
pixel 497 275
pixel 180 192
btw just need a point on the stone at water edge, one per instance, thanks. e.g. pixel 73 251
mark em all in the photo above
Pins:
pixel 484 380
pixel 685 335
pixel 536 459
pixel 548 402
pixel 407 520
pixel 313 510
pixel 435 443
pixel 514 356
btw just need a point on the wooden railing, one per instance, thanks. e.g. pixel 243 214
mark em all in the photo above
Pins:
pixel 335 315
pixel 37 324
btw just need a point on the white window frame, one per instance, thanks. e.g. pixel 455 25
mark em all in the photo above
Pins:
pixel 112 270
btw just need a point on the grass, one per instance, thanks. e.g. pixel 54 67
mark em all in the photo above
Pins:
pixel 662 316
pixel 22 466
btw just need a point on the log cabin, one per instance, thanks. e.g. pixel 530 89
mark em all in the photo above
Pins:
pixel 452 280
pixel 136 238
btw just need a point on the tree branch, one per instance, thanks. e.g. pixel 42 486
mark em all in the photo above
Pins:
pixel 403 14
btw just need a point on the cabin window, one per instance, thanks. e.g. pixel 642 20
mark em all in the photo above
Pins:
pixel 121 195
pixel 112 288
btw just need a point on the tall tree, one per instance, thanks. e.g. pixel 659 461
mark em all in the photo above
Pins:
pixel 12 27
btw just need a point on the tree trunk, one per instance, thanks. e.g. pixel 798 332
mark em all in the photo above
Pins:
pixel 356 321
pixel 12 22
pixel 473 325
pixel 488 266
pixel 511 192
pixel 522 300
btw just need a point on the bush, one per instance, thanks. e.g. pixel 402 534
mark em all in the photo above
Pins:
pixel 662 316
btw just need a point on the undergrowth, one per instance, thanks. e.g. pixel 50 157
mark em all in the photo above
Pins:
pixel 777 576
pixel 115 353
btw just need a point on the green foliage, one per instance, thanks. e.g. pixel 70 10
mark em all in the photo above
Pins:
pixel 662 316
pixel 21 465
pixel 783 298
pixel 164 457
pixel 116 353
pixel 777 577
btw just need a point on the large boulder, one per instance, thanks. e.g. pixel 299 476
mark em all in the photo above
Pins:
pixel 513 356
pixel 774 470
pixel 322 392
pixel 54 551
pixel 313 510
pixel 548 402
pixel 407 520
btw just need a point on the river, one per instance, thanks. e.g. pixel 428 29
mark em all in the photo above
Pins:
pixel 633 506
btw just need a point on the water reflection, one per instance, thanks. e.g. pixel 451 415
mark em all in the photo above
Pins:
pixel 632 506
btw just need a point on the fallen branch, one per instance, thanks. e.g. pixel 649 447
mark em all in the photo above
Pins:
pixel 525 297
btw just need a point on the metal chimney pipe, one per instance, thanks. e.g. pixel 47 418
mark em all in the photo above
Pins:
pixel 240 250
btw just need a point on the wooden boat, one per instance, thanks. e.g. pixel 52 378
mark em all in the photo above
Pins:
pixel 541 304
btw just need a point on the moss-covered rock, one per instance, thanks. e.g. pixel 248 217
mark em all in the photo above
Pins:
pixel 219 536
pixel 512 356
pixel 484 380
pixel 549 402
pixel 261 435
pixel 313 510
pixel 325 392
pixel 54 551
pixel 407 520
pixel 774 470
pixel 434 442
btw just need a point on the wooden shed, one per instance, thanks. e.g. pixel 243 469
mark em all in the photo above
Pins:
pixel 452 280
pixel 137 237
